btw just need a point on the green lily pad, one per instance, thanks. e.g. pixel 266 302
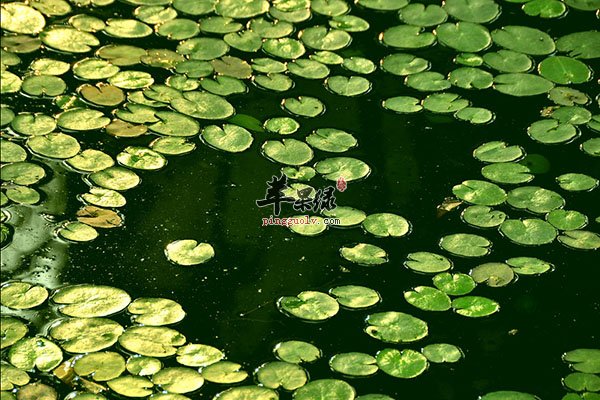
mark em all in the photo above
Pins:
pixel 315 227
pixel 131 386
pixel 94 68
pixel 151 341
pixel 54 145
pixel 22 295
pixel 427 298
pixel 11 331
pixel 271 30
pixel 275 82
pixel 347 216
pixel 386 224
pixel 407 37
pixel 480 193
pixel 141 158
pixel 90 160
pixel 321 389
pixel 282 126
pixel 43 85
pixel 104 197
pixel 23 195
pixel 584 360
pixel 327 57
pixel 552 131
pixel 349 23
pixel 475 115
pixel 35 352
pixel 427 81
pixel 297 352
pixel 348 86
pixel 155 311
pixel 20 18
pixel 483 216
pixel 535 199
pixel 359 65
pixel 582 240
pixel 354 364
pixel 498 152
pixel 9 82
pixel 203 105
pixel 577 182
pixel 12 377
pixel 224 372
pixel 530 232
pixel 520 84
pixel 464 36
pixel 178 380
pixel 591 147
pixel 508 61
pixel 423 15
pixel 395 327
pixel 566 96
pixel 82 119
pixel 564 70
pixel 475 306
pixel 364 254
pixel 529 265
pixel 571 115
pixel 286 48
pixel 247 393
pixel 178 29
pixel 75 231
pixel 322 38
pixel 442 353
pixel 480 11
pixel 405 364
pixel 466 245
pixel 268 65
pixel 404 64
pixel 524 39
pixel 309 305
pixel 102 94
pixel 89 301
pixel 427 262
pixel 189 252
pixel 68 39
pixel 545 8
pixel 247 40
pixel 580 44
pixel 232 67
pixel 173 146
pixel 471 78
pixel 102 366
pixel 444 102
pixel 342 167
pixel 280 374
pixel 355 297
pixel 402 104
pixel 580 382
pixel 22 173
pixel 287 151
pixel 32 124
pixel 454 284
pixel 203 49
pixel 303 106
pixel 115 178
pixel 508 173
pixel 493 274
pixel 382 5
pixel 567 220
pixel 126 28
pixel 198 355
pixel 508 395
pixel 245 9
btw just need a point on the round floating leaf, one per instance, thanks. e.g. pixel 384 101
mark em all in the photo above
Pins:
pixel 584 360
pixel 566 220
pixel 34 352
pixel 564 70
pixel 87 301
pixel 466 245
pixel 352 296
pixel 173 146
pixel 279 374
pixel 102 366
pixel 580 44
pixel 475 115
pixel 155 311
pixel 480 193
pixel 115 178
pixel 12 377
pixel 9 82
pixel 349 23
pixel 102 94
pixel 189 252
pixel 275 82
pixel 248 392
pixel 321 38
pixel 32 124
pixel 151 341
pixel 94 68
pixel 405 364
pixel 321 389
pixel 347 216
pixel 510 173
pixel 407 37
pixel 383 5
pixel 524 40
pixel 22 173
pixel 178 380
pixel 22 295
pixel 77 232
pixel 54 145
pixel 454 284
pixel 204 48
pixel 309 305
pixel 283 126
pixel 203 105
pixel 232 67
pixel 286 48
pixel 90 160
pixel 531 232
pixel 577 182
pixel 442 353
pixel 43 85
pixel 244 9
pixel 198 355
pixel 141 158
pixel 359 65
pixel 327 57
pixel 247 40
pixel 482 216
pixel 342 167
pixel 304 106
pixel 444 102
pixel 20 18
pixel 423 15
pixel 231 138
pixel 583 240
pixel 497 152
pixel 571 115
pixel 402 104
pixel 386 224
pixel 428 299
pixel 174 124
pixel 224 372
pixel 348 86
pixel 591 147
pixel 480 11
pixel 287 151
pixel 464 36
pixel 395 327
pixel 427 81
pixel 520 84
pixel 427 262
pixel 404 64
pixel 86 335
pixel 131 386
pixel 300 224
pixel 126 28
pixel 22 195
pixel 566 96
pixel 271 30
pixel 552 131
pixel 364 254
pixel 68 39
pixel 535 199
pixel 471 78
pixel 474 306
pixel 508 395
pixel 508 61
pixel 354 364
pixel 82 119
pixel 493 274
pixel 104 198
pixel 297 352
pixel 11 331
pixel 528 265
pixel 545 8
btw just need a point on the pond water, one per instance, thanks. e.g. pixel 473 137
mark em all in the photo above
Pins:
pixel 209 195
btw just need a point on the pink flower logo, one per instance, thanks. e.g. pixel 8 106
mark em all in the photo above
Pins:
pixel 341 184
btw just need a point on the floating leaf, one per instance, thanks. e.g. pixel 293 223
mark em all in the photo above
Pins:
pixel 480 193
pixel 68 39
pixel 89 301
pixel 131 386
pixel 578 239
pixel 354 364
pixel 404 364
pixel 331 389
pixel 475 306
pixel 178 380
pixel 528 265
pixel 297 352
pixel 584 360
pixel 427 298
pixel 444 102
pixel 282 125
pixel 524 39
pixel 155 311
pixel 198 355
pixel 508 173
pixel 508 61
pixel 22 295
pixel 508 395
pixel 364 254
pixel 287 151
pixel 151 341
pixel 309 305
pixel 348 86
pixel 347 216
pixel 497 151
pixel 395 327
pixel 115 178
pixel 482 216
pixel 442 353
pixel 520 84
pixel 566 220
pixel 20 18
pixel 280 374
pixel 102 366
pixel 464 36
pixel 402 104
pixel 355 297
pixel 493 274
pixel 342 167
pixel 143 366
pixel 454 284
pixel 189 252
pixel 77 232
pixel 407 37
pixel 224 372
pixel 580 44
pixel 248 392
pixel 564 70
pixel 466 245
pixel 427 262
pixel 11 331
pixel 480 11
pixel 33 352
pixel 423 15
pixel 577 182
pixel 535 199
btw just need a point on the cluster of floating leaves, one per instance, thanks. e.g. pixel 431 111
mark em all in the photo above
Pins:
pixel 584 380
pixel 214 55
